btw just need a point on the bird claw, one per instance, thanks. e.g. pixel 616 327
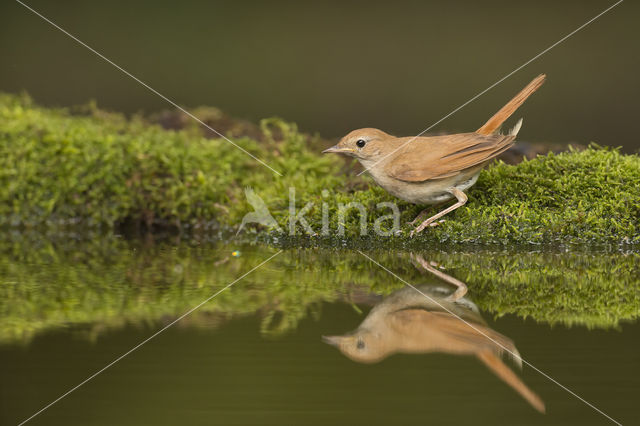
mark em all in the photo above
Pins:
pixel 424 225
pixel 416 220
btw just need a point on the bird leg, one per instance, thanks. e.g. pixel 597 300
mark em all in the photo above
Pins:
pixel 420 216
pixel 462 199
pixel 424 212
pixel 461 288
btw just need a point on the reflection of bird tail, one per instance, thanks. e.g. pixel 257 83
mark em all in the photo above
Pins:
pixel 515 357
pixel 502 345
pixel 507 375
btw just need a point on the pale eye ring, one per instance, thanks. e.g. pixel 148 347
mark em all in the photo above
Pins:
pixel 360 344
pixel 360 143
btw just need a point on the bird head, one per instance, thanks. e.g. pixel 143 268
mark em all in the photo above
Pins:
pixel 364 144
pixel 361 346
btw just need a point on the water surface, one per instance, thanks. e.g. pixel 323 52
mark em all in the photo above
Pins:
pixel 254 354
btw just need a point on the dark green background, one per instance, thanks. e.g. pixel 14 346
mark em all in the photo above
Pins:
pixel 336 66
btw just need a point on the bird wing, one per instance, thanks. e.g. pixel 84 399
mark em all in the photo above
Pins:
pixel 455 333
pixel 438 157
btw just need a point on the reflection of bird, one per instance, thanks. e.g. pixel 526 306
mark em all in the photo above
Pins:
pixel 260 214
pixel 408 322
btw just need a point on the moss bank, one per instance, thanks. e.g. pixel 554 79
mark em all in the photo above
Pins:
pixel 88 168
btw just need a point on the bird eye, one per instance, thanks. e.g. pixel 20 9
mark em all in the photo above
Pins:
pixel 360 344
pixel 361 143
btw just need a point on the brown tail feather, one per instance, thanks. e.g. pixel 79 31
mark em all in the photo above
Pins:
pixel 505 112
pixel 501 370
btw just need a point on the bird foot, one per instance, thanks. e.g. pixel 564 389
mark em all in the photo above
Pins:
pixel 424 225
pixel 416 220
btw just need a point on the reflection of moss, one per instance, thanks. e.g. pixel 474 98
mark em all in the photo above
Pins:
pixel 590 289
pixel 106 282
pixel 96 169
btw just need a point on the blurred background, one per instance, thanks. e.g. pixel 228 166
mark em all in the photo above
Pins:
pixel 335 66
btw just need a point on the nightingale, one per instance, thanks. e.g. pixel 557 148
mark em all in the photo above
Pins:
pixel 408 322
pixel 433 169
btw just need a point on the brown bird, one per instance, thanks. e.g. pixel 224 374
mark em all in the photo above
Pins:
pixel 433 169
pixel 408 322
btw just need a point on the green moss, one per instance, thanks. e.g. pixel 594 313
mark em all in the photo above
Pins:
pixel 102 282
pixel 88 168
pixel 100 170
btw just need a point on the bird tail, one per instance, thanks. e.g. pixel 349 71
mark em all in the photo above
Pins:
pixel 505 112
pixel 496 365
pixel 515 129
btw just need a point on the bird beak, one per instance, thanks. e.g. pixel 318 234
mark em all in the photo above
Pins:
pixel 337 149
pixel 332 340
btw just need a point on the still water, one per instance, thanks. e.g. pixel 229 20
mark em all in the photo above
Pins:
pixel 314 336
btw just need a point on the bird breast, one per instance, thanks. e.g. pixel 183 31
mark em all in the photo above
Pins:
pixel 427 192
